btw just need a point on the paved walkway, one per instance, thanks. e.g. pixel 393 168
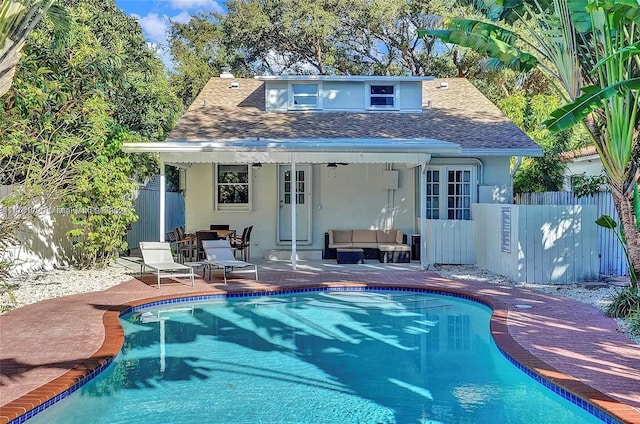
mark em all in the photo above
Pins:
pixel 46 347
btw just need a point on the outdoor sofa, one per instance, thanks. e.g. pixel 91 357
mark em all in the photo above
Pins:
pixel 384 245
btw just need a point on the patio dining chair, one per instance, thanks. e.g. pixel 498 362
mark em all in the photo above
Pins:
pixel 218 254
pixel 157 257
pixel 201 236
pixel 243 243
pixel 185 245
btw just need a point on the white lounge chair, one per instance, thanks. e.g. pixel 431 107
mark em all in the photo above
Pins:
pixel 157 257
pixel 220 255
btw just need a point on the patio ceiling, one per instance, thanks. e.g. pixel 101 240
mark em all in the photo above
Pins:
pixel 301 151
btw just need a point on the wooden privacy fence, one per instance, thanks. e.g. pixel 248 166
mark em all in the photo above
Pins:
pixel 450 241
pixel 542 244
pixel 147 227
pixel 612 260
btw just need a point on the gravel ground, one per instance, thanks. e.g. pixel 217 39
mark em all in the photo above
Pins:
pixel 30 288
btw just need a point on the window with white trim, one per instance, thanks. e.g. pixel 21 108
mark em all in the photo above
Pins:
pixel 233 191
pixel 304 96
pixel 382 96
pixel 449 192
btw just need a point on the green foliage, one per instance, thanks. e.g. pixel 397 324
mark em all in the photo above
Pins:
pixel 605 221
pixel 625 303
pixel 353 37
pixel 200 50
pixel 541 173
pixel 72 106
pixel 585 185
pixel 634 322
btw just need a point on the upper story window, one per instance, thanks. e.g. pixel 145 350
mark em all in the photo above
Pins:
pixel 304 96
pixel 232 187
pixel 382 96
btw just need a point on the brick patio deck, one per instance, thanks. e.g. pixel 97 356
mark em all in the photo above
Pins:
pixel 48 346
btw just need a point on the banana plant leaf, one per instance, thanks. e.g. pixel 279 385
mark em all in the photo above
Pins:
pixel 569 115
pixel 512 57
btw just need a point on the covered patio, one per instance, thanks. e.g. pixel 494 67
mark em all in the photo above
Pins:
pixel 409 153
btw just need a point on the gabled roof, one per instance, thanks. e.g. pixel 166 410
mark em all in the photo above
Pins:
pixel 457 114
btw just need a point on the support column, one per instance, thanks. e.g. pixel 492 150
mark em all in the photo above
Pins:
pixel 162 200
pixel 294 202
pixel 423 214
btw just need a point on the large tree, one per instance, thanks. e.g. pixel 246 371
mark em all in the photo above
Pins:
pixel 200 50
pixel 73 104
pixel 17 20
pixel 375 37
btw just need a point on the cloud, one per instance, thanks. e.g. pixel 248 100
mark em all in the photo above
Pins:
pixel 182 17
pixel 196 4
pixel 154 27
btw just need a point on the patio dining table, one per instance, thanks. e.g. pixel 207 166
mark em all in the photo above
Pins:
pixel 225 234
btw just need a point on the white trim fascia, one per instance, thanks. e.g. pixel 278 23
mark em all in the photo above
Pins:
pixel 342 78
pixel 503 152
pixel 376 145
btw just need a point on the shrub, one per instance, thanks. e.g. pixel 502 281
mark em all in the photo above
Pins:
pixel 625 303
pixel 634 322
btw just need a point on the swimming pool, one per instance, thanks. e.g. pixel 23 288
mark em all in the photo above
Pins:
pixel 313 357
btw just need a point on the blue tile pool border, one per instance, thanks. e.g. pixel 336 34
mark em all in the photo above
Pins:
pixel 599 413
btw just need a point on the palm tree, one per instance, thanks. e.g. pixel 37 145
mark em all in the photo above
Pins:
pixel 17 19
pixel 591 49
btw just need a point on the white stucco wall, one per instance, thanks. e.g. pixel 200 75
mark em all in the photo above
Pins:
pixel 588 166
pixel 344 95
pixel 345 197
pixel 350 196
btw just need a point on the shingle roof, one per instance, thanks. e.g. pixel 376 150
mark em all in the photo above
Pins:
pixel 459 114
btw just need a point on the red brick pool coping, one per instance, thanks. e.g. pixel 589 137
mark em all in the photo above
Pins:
pixel 601 366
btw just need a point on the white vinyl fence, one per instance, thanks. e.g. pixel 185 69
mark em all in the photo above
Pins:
pixel 450 241
pixel 610 251
pixel 542 244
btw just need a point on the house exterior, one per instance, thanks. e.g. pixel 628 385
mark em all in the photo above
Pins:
pixel 582 162
pixel 338 152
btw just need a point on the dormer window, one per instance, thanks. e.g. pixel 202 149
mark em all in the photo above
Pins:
pixel 304 96
pixel 382 96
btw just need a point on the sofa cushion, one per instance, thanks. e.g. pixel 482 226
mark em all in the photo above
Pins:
pixel 394 248
pixel 364 236
pixel 341 246
pixel 365 245
pixel 342 236
pixel 386 236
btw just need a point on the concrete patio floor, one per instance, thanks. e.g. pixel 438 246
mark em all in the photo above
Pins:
pixel 48 346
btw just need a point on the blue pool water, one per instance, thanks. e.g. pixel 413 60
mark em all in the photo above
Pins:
pixel 319 357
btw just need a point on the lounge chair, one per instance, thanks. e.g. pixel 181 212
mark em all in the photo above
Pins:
pixel 219 254
pixel 157 257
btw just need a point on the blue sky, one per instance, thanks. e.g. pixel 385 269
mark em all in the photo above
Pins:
pixel 154 15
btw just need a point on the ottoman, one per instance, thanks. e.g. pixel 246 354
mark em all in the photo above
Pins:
pixel 350 256
pixel 394 253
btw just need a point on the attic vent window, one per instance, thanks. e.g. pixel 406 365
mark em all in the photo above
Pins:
pixel 444 84
pixel 304 96
pixel 382 96
pixel 235 84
